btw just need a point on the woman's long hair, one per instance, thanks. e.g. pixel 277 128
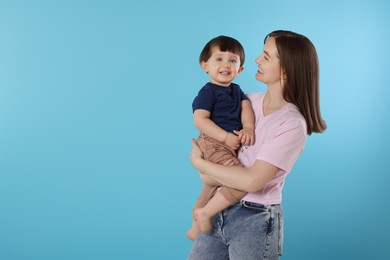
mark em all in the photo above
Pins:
pixel 299 63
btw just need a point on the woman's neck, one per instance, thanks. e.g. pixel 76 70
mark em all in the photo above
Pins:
pixel 273 101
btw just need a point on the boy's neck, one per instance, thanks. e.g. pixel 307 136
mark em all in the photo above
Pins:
pixel 223 86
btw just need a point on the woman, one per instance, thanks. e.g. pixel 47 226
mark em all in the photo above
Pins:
pixel 285 114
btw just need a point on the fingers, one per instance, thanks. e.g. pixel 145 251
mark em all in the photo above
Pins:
pixel 229 163
pixel 237 132
pixel 244 140
pixel 194 143
pixel 247 140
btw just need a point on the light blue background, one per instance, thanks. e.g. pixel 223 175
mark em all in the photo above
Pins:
pixel 96 122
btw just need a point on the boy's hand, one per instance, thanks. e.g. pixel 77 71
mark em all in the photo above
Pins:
pixel 246 136
pixel 232 141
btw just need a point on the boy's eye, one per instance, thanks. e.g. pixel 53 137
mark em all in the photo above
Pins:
pixel 233 61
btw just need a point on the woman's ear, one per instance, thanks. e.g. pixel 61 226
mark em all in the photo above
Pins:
pixel 283 75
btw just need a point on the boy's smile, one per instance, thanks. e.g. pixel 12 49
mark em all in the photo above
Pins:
pixel 222 67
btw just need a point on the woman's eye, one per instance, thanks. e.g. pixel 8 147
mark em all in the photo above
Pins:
pixel 219 59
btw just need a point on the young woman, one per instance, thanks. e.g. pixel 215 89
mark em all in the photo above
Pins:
pixel 285 114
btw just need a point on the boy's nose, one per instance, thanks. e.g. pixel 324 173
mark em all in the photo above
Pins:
pixel 226 64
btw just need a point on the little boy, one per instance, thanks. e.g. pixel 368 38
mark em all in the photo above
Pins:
pixel 221 110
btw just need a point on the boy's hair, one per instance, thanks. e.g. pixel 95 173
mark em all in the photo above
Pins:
pixel 299 61
pixel 224 43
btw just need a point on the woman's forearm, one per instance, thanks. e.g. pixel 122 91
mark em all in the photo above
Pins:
pixel 208 180
pixel 249 179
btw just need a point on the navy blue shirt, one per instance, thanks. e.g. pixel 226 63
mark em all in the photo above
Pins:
pixel 223 103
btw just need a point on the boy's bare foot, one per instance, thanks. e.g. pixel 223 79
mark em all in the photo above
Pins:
pixel 202 220
pixel 192 233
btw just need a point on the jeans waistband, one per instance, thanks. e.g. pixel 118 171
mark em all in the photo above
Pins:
pixel 274 208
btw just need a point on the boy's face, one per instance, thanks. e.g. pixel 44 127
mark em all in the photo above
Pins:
pixel 222 67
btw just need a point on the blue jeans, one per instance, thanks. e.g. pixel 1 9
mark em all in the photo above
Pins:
pixel 246 230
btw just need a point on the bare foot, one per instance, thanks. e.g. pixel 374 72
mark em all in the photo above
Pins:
pixel 192 233
pixel 202 220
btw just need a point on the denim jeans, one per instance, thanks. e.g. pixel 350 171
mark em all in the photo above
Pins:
pixel 245 230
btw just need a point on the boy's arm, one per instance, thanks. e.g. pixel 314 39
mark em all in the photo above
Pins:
pixel 247 135
pixel 203 122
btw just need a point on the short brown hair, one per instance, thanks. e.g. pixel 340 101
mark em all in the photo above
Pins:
pixel 224 43
pixel 299 61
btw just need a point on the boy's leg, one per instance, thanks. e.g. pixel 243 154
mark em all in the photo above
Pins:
pixel 218 153
pixel 206 194
pixel 206 145
pixel 203 215
pixel 231 194
pixel 222 199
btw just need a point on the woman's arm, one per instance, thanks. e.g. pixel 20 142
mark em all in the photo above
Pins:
pixel 207 180
pixel 250 179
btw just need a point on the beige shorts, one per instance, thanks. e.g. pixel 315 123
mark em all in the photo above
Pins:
pixel 218 152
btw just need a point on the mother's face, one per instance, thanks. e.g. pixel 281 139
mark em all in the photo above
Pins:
pixel 268 64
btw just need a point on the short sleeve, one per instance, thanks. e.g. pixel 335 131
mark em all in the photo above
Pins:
pixel 204 100
pixel 286 145
pixel 243 96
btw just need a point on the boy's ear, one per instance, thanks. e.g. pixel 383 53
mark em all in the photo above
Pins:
pixel 240 69
pixel 203 65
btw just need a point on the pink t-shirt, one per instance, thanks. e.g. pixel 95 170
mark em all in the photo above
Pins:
pixel 280 138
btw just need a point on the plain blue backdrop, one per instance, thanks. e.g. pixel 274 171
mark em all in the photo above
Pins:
pixel 96 123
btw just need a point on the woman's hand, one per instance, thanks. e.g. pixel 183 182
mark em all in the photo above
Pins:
pixel 196 155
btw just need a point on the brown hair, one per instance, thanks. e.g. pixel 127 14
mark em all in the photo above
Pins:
pixel 224 43
pixel 299 61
